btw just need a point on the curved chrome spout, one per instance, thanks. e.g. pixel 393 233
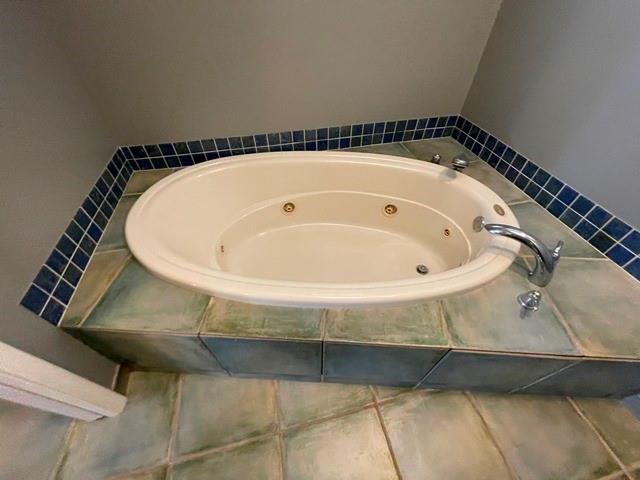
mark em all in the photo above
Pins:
pixel 546 259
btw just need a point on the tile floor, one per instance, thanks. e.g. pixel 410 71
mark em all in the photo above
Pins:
pixel 209 427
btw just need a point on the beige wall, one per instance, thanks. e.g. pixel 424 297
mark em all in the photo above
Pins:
pixel 53 145
pixel 173 70
pixel 559 81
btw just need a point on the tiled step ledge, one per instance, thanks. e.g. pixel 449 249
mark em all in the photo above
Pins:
pixel 580 343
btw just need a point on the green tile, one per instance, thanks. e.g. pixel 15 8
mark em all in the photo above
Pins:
pixel 137 300
pixel 537 221
pixel 304 402
pixel 600 303
pixel 489 319
pixel 258 460
pixel 492 372
pixel 31 441
pixel 407 325
pixel 544 438
pixel 486 175
pixel 154 474
pixel 349 447
pixel 440 436
pixel 143 179
pixel 113 236
pixel 618 426
pixel 270 358
pixel 138 438
pixel 395 149
pixel 447 148
pixel 228 318
pixel 234 410
pixel 102 269
pixel 157 351
pixel 379 365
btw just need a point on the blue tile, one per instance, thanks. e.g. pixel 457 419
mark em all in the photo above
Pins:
pixel 248 142
pixel 209 144
pixel 286 137
pixel 66 246
pixel 475 148
pixel 57 262
pixel 87 244
pixel 632 242
pixel 541 177
pixel 153 150
pixel 422 123
pixel 493 160
pixel 288 147
pixel 223 143
pixel 582 205
pixel 398 136
pixel 491 142
pixel 194 146
pixel 185 160
pixel 96 196
pixel 181 148
pixel 418 135
pixel 567 194
pixel 34 299
pixel 585 229
pixel 553 186
pixel 344 143
pixel 602 241
pixel 167 149
pixel 620 255
pixel 459 122
pixel 272 138
pixel 138 151
pixel 72 274
pixel 298 136
pixel 556 208
pixel 102 187
pixel 144 164
pixel 334 144
pixel 390 127
pixel 402 125
pixel 80 259
pixel 432 123
pixel 172 161
pixel 53 311
pixel 387 138
pixel 345 131
pixel 442 121
pixel 214 155
pixel 127 153
pixel 502 167
pixel 89 207
pixel 543 198
pixel 482 137
pixel 473 131
pixel 411 124
pixel 598 216
pixel 634 268
pixel 511 174
pixel 310 146
pixel 485 153
pixel 201 157
pixel 451 121
pixel 298 146
pixel 63 292
pixel 158 162
pixel 408 135
pixel 356 141
pixel 378 127
pixel 570 218
pixel 499 149
pixel 356 130
pixel 323 145
pixel 46 279
pixel 616 228
pixel 530 169
pixel 532 190
pixel 521 182
pixel 518 162
pixel 509 155
pixel 94 231
pixel 367 129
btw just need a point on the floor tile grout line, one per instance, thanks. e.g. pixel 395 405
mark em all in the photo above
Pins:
pixel 606 445
pixel 485 426
pixel 443 322
pixel 545 377
pixel 387 438
pixel 64 451
pixel 573 336
pixel 279 436
pixel 175 419
pixel 327 418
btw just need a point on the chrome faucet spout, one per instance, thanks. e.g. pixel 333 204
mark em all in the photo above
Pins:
pixel 546 259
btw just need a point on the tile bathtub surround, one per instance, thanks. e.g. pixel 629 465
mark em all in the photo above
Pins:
pixel 610 235
pixel 269 429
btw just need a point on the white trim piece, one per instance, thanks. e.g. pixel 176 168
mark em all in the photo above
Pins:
pixel 33 382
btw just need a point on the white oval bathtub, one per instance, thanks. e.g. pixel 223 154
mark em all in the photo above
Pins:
pixel 320 229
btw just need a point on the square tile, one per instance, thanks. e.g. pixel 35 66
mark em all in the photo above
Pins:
pixel 618 426
pixel 447 148
pixel 259 460
pixel 381 365
pixel 601 305
pixel 420 324
pixel 239 409
pixel 489 318
pixel 307 401
pixel 137 438
pixel 267 357
pixel 537 221
pixel 490 371
pixel 395 149
pixel 544 438
pixel 157 351
pixel 141 180
pixel 348 447
pixel 228 318
pixel 137 300
pixel 488 176
pixel 592 378
pixel 440 436
pixel 113 236
pixel 31 442
pixel 102 269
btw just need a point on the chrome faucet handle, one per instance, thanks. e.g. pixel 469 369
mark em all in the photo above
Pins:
pixel 459 164
pixel 436 159
pixel 555 253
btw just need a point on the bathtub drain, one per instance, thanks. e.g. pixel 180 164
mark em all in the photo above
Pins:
pixel 422 269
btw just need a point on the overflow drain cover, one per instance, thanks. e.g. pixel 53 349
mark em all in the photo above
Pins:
pixel 422 269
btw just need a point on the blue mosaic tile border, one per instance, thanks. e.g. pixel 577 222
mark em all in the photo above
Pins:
pixel 612 236
pixel 56 281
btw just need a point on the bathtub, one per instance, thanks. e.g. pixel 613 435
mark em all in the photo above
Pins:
pixel 320 229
